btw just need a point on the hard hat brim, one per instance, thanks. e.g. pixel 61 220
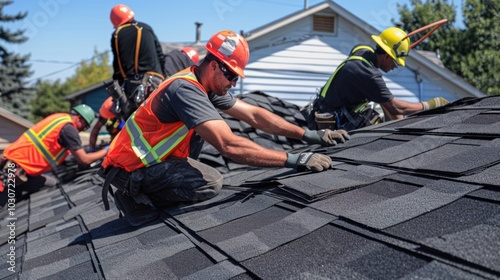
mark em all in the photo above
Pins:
pixel 388 50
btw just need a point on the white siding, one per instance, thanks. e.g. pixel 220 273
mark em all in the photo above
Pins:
pixel 292 63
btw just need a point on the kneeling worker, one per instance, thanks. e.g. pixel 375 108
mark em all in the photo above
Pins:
pixel 358 80
pixel 44 146
pixel 151 153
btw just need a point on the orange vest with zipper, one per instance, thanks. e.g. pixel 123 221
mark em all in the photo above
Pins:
pixel 38 151
pixel 144 140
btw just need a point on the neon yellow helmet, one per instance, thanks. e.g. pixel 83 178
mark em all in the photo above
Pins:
pixel 86 112
pixel 395 43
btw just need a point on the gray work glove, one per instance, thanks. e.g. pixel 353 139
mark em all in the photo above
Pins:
pixel 325 137
pixel 308 161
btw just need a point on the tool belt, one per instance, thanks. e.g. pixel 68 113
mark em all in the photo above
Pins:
pixel 344 118
pixel 130 94
pixel 138 87
pixel 131 187
pixel 363 115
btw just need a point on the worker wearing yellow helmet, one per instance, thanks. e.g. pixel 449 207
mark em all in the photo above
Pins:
pixel 343 100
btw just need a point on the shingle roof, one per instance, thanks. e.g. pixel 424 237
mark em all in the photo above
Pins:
pixel 417 198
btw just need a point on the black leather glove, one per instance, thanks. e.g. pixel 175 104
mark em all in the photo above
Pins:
pixel 325 137
pixel 308 161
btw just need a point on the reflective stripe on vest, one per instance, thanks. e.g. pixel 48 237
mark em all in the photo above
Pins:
pixel 142 148
pixel 351 57
pixel 37 140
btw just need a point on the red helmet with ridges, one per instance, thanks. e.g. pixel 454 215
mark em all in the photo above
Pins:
pixel 192 53
pixel 121 14
pixel 230 48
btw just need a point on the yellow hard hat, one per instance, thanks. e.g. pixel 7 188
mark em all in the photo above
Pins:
pixel 395 43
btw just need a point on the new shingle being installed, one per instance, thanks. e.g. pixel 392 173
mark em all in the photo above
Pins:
pixel 408 199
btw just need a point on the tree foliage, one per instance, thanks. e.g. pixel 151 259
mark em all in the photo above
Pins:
pixel 49 100
pixel 472 53
pixel 481 63
pixel 14 70
pixel 50 95
pixel 91 72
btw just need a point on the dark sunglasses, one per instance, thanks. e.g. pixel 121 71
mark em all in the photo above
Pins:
pixel 230 76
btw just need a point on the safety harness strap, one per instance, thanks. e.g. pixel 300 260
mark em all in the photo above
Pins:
pixel 137 48
pixel 105 188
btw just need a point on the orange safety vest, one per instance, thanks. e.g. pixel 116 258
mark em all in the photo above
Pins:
pixel 37 150
pixel 145 140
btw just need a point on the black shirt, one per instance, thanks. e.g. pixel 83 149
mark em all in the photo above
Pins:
pixel 355 81
pixel 176 61
pixel 151 57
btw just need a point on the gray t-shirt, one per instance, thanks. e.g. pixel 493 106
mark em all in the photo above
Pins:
pixel 183 101
pixel 69 138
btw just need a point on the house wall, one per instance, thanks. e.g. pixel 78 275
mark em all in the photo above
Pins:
pixel 293 62
pixel 93 98
pixel 10 130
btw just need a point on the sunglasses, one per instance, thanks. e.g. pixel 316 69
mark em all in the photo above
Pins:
pixel 230 76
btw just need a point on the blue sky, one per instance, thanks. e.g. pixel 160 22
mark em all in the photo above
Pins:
pixel 64 32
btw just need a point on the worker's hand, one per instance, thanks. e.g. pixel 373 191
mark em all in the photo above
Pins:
pixel 325 137
pixel 106 148
pixel 434 102
pixel 308 161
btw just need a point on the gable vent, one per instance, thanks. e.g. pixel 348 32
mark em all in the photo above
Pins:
pixel 323 23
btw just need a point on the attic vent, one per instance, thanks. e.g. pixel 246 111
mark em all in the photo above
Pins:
pixel 323 23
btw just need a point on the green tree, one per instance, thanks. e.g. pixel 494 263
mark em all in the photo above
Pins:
pixel 480 64
pixel 14 70
pixel 472 53
pixel 423 14
pixel 49 98
pixel 90 72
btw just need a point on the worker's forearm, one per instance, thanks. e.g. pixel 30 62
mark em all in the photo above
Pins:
pixel 245 151
pixel 276 125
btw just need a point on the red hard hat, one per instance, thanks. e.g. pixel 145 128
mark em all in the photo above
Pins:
pixel 192 53
pixel 230 48
pixel 105 110
pixel 121 14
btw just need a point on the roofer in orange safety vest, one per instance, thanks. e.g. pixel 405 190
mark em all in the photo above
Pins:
pixel 45 146
pixel 177 60
pixel 108 119
pixel 151 154
pixel 343 102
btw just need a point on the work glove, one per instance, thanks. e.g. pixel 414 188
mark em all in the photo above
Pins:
pixel 308 161
pixel 325 137
pixel 434 102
